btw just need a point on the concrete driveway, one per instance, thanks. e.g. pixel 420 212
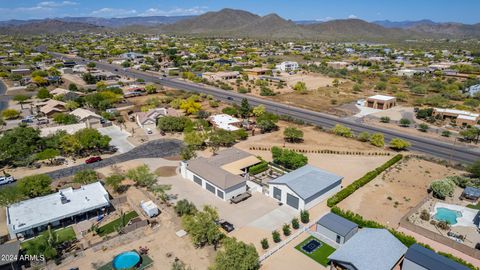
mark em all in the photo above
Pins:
pixel 119 138
pixel 239 214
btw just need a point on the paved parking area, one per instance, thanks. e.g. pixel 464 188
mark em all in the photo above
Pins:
pixel 119 138
pixel 258 207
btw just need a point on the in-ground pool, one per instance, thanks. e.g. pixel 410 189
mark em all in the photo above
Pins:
pixel 311 246
pixel 126 260
pixel 448 215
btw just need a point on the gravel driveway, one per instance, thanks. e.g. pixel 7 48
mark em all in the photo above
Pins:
pixel 119 138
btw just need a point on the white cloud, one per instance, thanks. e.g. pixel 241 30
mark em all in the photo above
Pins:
pixel 53 4
pixel 328 18
pixel 351 16
pixel 174 12
pixel 114 12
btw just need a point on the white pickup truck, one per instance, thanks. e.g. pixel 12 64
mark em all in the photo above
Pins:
pixel 6 180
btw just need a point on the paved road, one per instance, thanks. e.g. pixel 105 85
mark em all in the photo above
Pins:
pixel 153 149
pixel 421 144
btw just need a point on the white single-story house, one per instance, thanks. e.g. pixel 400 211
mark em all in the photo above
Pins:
pixel 224 174
pixel 369 249
pixel 287 66
pixel 225 121
pixel 305 187
pixel 67 206
pixel 336 228
pixel 420 258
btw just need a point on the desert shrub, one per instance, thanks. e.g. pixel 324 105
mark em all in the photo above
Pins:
pixel 304 216
pixel 295 223
pixel 425 215
pixel 276 237
pixel 443 188
pixel 264 243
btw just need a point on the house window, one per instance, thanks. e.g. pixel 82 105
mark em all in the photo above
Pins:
pixel 220 193
pixel 277 193
pixel 197 180
pixel 338 239
pixel 210 187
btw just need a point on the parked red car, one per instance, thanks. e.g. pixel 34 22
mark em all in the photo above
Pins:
pixel 92 160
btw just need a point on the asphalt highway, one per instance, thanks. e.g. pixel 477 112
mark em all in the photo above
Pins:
pixel 443 150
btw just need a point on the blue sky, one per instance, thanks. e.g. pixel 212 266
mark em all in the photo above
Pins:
pixel 465 11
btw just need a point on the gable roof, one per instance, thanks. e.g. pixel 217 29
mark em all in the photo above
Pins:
pixel 307 181
pixel 431 260
pixel 83 113
pixel 211 170
pixel 337 224
pixel 370 249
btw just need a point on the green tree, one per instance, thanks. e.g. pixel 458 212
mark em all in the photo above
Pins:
pixel 399 144
pixel 90 138
pixel 267 122
pixel 190 106
pixel 21 99
pixel 423 127
pixel 385 119
pixel 276 237
pixel 471 134
pixel 202 227
pixel 195 139
pixel 187 153
pixel 173 124
pixel 65 119
pixel 300 87
pixel 72 105
pixel 286 229
pixel 184 207
pixel 236 255
pixel 304 216
pixel 377 140
pixel 43 93
pixel 115 181
pixel 221 138
pixel 91 65
pixel 404 122
pixel 142 176
pixel 245 108
pixel 288 158
pixel 10 195
pixel 293 134
pixel 10 114
pixel 442 188
pixel 47 154
pixel 364 136
pixel 295 223
pixel 264 243
pixel 474 168
pixel 343 131
pixel 151 89
pixel 35 185
pixel 85 177
pixel 18 144
pixel 258 110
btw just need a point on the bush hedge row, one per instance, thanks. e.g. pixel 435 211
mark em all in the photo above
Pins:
pixel 259 168
pixel 327 151
pixel 369 176
pixel 405 239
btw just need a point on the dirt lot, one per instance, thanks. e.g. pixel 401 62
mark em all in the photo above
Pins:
pixel 393 193
pixel 352 167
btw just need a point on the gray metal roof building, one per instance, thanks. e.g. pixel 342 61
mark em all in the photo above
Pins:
pixel 308 181
pixel 337 224
pixel 471 193
pixel 429 260
pixel 370 249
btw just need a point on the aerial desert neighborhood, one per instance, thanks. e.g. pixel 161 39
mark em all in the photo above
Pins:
pixel 240 135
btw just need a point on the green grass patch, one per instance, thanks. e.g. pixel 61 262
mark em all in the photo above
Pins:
pixel 65 234
pixel 110 227
pixel 321 254
pixel 146 261
pixel 474 206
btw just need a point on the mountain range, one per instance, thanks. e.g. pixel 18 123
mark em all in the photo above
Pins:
pixel 239 23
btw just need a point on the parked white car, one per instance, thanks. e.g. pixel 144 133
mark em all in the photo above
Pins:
pixel 6 180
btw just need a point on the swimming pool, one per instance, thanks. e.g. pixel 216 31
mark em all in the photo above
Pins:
pixel 126 260
pixel 448 215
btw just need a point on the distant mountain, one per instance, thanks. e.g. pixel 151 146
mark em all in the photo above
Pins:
pixel 48 27
pixel 107 22
pixel 448 30
pixel 403 24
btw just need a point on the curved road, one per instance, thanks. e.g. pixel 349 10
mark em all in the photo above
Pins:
pixel 421 144
pixel 154 149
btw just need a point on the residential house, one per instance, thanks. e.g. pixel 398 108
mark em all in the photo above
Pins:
pixel 420 258
pixel 21 71
pixel 338 64
pixel 30 217
pixel 287 66
pixel 224 76
pixel 91 119
pixel 305 187
pixel 381 102
pixel 225 121
pixel 67 94
pixel 336 228
pixel 471 193
pixel 257 71
pixel 148 119
pixel 461 118
pixel 51 107
pixel 224 175
pixel 369 249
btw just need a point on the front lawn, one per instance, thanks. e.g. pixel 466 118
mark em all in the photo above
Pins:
pixel 110 227
pixel 321 254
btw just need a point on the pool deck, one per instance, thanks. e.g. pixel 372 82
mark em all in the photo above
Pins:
pixel 468 214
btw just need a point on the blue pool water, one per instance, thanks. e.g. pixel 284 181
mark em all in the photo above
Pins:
pixel 126 260
pixel 448 215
